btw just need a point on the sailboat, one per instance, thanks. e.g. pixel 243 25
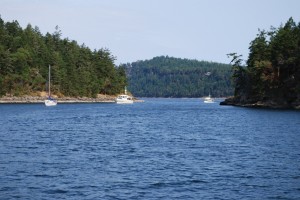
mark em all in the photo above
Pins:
pixel 124 98
pixel 208 99
pixel 50 101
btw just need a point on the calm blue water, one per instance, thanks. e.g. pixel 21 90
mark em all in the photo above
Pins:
pixel 159 149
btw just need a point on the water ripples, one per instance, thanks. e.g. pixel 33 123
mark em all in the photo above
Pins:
pixel 160 149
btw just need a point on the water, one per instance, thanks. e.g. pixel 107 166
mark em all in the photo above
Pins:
pixel 159 149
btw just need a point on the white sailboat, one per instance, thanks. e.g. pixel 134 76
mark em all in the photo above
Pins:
pixel 124 98
pixel 50 101
pixel 208 99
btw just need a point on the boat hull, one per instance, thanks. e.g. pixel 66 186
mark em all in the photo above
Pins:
pixel 49 102
pixel 124 101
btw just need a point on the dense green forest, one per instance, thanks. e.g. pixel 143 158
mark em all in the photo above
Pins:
pixel 25 55
pixel 272 74
pixel 174 77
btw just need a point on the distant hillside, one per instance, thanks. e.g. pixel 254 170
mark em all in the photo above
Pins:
pixel 174 77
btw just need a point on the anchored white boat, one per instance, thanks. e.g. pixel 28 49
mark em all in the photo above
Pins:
pixel 50 101
pixel 208 99
pixel 124 98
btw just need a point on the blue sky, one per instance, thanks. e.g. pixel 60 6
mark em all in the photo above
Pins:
pixel 141 29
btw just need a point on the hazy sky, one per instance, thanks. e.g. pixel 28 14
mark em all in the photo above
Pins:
pixel 141 29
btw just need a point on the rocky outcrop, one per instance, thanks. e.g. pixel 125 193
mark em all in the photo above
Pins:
pixel 270 103
pixel 38 99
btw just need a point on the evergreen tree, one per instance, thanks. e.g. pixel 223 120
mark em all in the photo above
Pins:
pixel 76 70
pixel 166 76
pixel 273 67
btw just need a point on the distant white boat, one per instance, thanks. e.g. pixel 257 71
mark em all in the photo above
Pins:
pixel 50 101
pixel 124 98
pixel 208 99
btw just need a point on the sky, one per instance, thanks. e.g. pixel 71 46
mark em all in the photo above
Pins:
pixel 142 29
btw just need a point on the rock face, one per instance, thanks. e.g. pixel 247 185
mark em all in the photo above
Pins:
pixel 269 103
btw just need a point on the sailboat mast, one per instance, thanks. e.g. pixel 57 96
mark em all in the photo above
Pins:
pixel 49 82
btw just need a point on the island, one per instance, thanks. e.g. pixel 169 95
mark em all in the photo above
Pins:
pixel 77 72
pixel 271 76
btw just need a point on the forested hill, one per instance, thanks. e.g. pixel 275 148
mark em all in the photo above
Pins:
pixel 272 75
pixel 25 55
pixel 174 77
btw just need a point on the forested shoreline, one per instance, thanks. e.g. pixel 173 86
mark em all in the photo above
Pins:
pixel 165 76
pixel 76 71
pixel 271 77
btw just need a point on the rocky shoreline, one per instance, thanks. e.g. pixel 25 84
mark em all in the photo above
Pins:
pixel 37 99
pixel 260 104
pixel 41 99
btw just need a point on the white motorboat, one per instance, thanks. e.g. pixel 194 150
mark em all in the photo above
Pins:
pixel 50 101
pixel 124 98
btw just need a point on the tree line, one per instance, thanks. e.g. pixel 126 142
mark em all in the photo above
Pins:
pixel 25 55
pixel 272 71
pixel 165 76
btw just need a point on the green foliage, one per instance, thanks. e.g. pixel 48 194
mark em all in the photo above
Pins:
pixel 76 70
pixel 174 77
pixel 239 74
pixel 273 67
